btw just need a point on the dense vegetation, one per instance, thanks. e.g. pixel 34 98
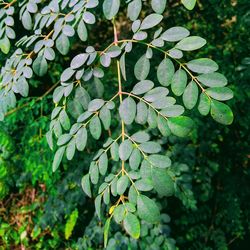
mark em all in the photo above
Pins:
pixel 41 209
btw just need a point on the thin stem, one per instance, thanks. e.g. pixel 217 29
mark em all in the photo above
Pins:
pixel 137 146
pixel 96 113
pixel 166 53
pixel 107 149
pixel 111 182
pixel 143 100
pixel 9 4
pixel 132 182
pixel 119 87
pixel 115 32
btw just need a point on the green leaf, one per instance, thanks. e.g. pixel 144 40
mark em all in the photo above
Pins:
pixel 179 82
pixel 40 66
pixel 70 224
pixel 150 21
pixel 165 72
pixel 162 182
pixel 191 43
pixel 119 213
pixel 23 87
pixel 82 31
pixel 114 150
pixel 189 4
pixel 144 185
pixel 98 200
pixel 64 119
pixel 158 5
pixel 141 113
pixel 122 184
pixel 106 196
pixel 160 161
pixel 204 104
pixel 134 9
pixel 63 139
pixel 142 68
pixel 132 225
pixel 190 95
pixel 62 44
pixel 147 209
pixel 145 169
pixel 127 110
pixel 5 45
pixel 67 74
pixel 173 111
pixel 220 93
pixel 81 138
pixel 132 195
pixel 114 186
pixel 78 61
pixel 175 53
pixel 163 126
pixel 95 105
pixel 105 116
pixel 150 147
pixel 94 173
pixel 95 127
pixel 88 17
pixel 152 118
pixel 58 158
pixel 142 87
pixel 125 150
pixel 103 164
pixel 175 34
pixel 49 137
pixel 110 8
pixel 58 94
pixel 156 94
pixel 180 126
pixel 82 97
pixel 140 136
pixel 135 159
pixel 203 65
pixel 130 207
pixel 114 51
pixel 26 20
pixel 164 102
pixel 221 113
pixel 86 185
pixel 213 80
pixel 106 231
pixel 123 66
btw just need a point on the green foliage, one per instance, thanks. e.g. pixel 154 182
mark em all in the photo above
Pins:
pixel 130 103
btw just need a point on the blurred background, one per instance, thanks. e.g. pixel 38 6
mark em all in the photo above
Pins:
pixel 44 210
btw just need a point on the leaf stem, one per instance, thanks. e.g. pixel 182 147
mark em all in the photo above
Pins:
pixel 119 87
pixel 132 182
pixel 166 53
pixel 143 100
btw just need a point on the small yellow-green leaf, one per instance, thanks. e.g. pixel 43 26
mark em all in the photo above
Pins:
pixel 106 231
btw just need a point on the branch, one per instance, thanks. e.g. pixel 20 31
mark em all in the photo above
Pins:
pixel 194 78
